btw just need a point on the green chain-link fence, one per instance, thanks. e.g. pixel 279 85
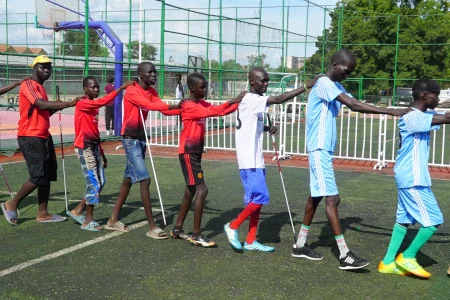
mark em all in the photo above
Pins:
pixel 223 39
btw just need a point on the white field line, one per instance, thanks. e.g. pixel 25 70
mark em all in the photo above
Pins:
pixel 67 250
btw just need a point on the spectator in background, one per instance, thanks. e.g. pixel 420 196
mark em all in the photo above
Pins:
pixel 109 109
pixel 179 91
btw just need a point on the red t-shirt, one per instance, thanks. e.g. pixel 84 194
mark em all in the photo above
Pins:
pixel 135 98
pixel 32 121
pixel 86 120
pixel 193 116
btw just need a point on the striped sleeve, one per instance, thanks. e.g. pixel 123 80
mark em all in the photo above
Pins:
pixel 30 91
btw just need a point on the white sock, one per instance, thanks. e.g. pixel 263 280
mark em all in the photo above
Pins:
pixel 301 239
pixel 341 245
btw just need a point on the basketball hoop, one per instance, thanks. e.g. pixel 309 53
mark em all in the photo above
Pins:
pixel 47 34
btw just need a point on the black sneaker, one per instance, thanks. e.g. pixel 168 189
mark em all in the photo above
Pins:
pixel 180 234
pixel 306 252
pixel 203 241
pixel 352 262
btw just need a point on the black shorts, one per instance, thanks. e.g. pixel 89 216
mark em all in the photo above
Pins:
pixel 191 166
pixel 40 156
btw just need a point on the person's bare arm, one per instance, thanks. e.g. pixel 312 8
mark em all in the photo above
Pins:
pixel 358 106
pixel 6 88
pixel 55 106
pixel 439 119
pixel 292 94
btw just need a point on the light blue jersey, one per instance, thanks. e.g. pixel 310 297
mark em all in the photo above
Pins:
pixel 411 168
pixel 323 108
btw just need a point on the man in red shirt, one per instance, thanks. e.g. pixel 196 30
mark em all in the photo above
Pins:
pixel 193 114
pixel 139 97
pixel 89 151
pixel 35 141
pixel 109 108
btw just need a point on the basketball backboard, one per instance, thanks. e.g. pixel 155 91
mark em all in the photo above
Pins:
pixel 50 12
pixel 195 64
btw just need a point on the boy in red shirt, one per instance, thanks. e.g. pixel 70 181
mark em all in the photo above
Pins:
pixel 139 97
pixel 36 143
pixel 89 151
pixel 193 113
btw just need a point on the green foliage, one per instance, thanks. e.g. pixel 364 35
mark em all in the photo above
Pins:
pixel 73 44
pixel 369 30
pixel 149 51
pixel 255 60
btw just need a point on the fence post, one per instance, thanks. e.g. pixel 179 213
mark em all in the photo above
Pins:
pixel 283 59
pixel 396 60
pixel 161 50
pixel 323 40
pixel 220 52
pixel 129 39
pixel 381 162
pixel 86 37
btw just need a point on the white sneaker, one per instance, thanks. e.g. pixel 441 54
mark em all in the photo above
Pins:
pixel 107 132
pixel 111 132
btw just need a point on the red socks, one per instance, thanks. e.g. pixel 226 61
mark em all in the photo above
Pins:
pixel 253 211
pixel 254 218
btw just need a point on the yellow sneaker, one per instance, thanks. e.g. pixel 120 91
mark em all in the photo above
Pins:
pixel 391 269
pixel 448 270
pixel 411 265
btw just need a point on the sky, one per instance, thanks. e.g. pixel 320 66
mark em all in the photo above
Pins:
pixel 177 31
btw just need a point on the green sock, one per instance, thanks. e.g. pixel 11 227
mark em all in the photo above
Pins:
pixel 398 234
pixel 424 234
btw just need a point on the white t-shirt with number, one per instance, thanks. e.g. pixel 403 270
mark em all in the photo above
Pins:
pixel 249 131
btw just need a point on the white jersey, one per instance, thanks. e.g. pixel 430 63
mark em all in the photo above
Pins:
pixel 249 131
pixel 178 92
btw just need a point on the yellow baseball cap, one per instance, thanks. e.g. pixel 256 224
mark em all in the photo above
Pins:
pixel 41 59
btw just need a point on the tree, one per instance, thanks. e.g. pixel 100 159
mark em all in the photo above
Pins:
pixel 255 60
pixel 369 30
pixel 73 44
pixel 149 51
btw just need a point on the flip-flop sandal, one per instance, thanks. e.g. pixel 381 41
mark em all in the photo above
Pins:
pixel 52 219
pixel 157 234
pixel 10 215
pixel 92 226
pixel 79 219
pixel 118 226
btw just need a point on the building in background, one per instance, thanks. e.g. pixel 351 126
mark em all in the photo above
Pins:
pixel 294 62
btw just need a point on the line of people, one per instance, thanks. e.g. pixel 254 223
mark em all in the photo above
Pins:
pixel 416 201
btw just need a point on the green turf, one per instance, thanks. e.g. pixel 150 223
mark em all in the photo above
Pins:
pixel 133 266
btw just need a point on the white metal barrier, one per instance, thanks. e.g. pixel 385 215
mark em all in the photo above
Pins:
pixel 368 137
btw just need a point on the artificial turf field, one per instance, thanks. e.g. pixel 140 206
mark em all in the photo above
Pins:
pixel 133 266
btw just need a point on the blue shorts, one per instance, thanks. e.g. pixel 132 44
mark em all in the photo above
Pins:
pixel 321 174
pixel 136 168
pixel 417 204
pixel 255 187
pixel 94 174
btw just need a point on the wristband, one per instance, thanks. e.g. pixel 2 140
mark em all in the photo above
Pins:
pixel 305 87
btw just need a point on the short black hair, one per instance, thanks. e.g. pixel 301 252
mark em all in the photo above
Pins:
pixel 424 85
pixel 178 75
pixel 86 80
pixel 255 70
pixel 194 78
pixel 342 56
pixel 110 79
